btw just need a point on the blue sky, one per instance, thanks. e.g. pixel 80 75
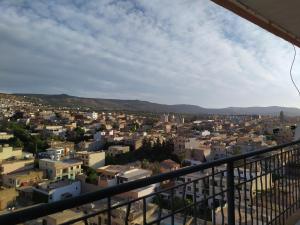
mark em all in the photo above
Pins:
pixel 179 51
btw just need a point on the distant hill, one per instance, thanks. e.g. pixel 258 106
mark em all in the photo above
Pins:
pixel 64 100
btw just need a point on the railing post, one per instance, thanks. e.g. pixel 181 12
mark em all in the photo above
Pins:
pixel 230 194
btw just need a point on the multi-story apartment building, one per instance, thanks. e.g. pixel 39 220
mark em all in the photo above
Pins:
pixel 199 186
pixel 91 159
pixel 57 170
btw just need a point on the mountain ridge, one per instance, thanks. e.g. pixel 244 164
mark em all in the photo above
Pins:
pixel 64 100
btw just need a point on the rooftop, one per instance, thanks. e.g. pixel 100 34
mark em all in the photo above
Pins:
pixel 135 173
pixel 63 163
pixel 49 185
pixel 113 169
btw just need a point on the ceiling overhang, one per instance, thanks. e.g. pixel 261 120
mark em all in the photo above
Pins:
pixel 280 17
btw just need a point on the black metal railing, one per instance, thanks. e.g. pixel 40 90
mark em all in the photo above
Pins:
pixel 260 187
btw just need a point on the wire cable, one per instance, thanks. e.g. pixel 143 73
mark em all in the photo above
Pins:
pixel 291 69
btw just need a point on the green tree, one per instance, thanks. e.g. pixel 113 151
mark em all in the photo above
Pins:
pixel 145 164
pixel 17 143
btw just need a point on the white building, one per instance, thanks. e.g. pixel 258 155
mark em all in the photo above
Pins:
pixel 92 115
pixel 59 190
pixel 55 130
pixel 205 133
pixel 55 153
pixel 198 187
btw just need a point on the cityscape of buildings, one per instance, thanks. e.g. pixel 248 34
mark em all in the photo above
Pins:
pixel 100 159
pixel 48 154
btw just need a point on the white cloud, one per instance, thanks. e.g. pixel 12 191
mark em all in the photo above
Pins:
pixel 185 52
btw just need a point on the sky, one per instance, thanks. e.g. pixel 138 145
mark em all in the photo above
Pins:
pixel 179 51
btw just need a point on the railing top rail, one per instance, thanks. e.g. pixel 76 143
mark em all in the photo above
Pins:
pixel 41 210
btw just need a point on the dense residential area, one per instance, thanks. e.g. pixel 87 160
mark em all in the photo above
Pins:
pixel 48 154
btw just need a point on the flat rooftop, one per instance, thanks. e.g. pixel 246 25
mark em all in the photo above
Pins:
pixel 136 173
pixel 49 185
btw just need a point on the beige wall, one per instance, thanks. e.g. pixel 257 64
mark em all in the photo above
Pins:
pixel 5 136
pixel 22 179
pixel 17 165
pixel 7 196
pixel 8 152
pixel 93 160
pixel 96 160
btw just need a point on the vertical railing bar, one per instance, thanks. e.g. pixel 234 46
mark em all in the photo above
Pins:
pixel 274 185
pixel 230 193
pixel 222 197
pixel 144 211
pixel 183 198
pixel 127 213
pixel 251 197
pixel 205 200
pixel 269 175
pixel 239 193
pixel 159 211
pixel 289 185
pixel 266 190
pixel 172 207
pixel 195 202
pixel 297 177
pixel 261 193
pixel 256 195
pixel 293 180
pixel 109 210
pixel 286 185
pixel 245 192
pixel 282 187
pixel 279 157
pixel 213 193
